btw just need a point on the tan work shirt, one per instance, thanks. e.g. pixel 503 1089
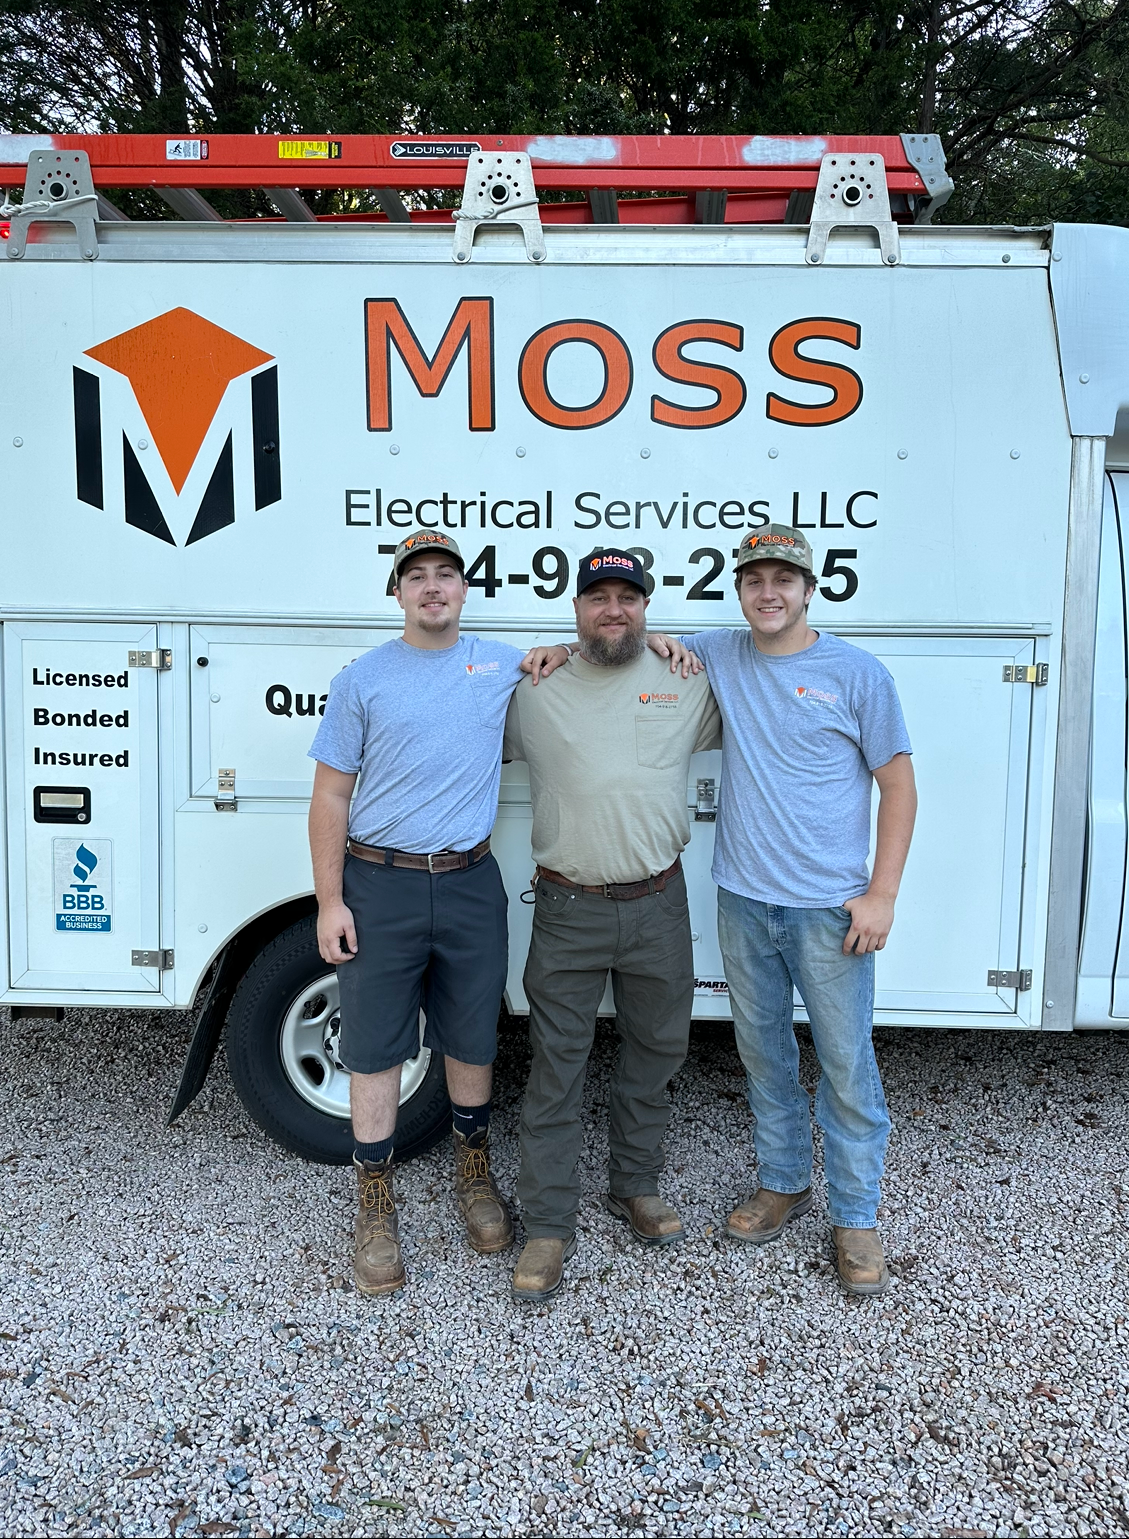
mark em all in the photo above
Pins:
pixel 609 751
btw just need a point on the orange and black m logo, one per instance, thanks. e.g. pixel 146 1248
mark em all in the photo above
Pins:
pixel 179 366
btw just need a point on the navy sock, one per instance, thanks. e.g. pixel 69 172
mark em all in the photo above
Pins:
pixel 373 1154
pixel 473 1122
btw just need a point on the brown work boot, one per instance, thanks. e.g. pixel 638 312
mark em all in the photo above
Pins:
pixel 862 1266
pixel 540 1269
pixel 763 1217
pixel 652 1220
pixel 489 1227
pixel 377 1263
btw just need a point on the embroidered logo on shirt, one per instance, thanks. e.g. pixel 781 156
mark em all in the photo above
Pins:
pixel 482 667
pixel 805 692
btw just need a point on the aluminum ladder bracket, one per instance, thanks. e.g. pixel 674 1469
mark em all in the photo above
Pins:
pixel 499 189
pixel 852 191
pixel 59 190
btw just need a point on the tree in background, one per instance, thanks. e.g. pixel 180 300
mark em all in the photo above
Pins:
pixel 1030 97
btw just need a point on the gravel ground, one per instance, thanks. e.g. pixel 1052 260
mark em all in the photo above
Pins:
pixel 182 1351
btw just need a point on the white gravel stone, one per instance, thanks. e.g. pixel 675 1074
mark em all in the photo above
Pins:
pixel 183 1353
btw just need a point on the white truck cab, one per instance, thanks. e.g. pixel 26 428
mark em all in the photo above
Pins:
pixel 213 434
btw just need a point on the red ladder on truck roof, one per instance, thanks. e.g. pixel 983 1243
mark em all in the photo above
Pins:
pixel 712 179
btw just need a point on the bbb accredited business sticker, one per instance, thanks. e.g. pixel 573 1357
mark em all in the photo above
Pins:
pixel 84 884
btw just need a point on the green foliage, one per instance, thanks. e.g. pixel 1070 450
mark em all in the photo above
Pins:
pixel 1030 97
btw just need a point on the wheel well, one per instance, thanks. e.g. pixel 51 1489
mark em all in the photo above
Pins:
pixel 245 945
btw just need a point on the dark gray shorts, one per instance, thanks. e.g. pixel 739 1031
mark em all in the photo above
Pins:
pixel 433 943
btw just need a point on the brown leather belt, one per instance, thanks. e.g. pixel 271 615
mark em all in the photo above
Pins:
pixel 622 892
pixel 445 860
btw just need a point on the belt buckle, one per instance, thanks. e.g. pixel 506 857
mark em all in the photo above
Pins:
pixel 430 867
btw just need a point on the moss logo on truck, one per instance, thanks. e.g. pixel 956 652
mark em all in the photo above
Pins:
pixel 180 367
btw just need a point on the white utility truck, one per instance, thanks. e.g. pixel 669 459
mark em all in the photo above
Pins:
pixel 213 433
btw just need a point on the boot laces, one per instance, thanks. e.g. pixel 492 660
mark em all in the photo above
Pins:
pixel 476 1173
pixel 376 1193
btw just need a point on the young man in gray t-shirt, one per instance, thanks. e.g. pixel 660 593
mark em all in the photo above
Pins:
pixel 811 722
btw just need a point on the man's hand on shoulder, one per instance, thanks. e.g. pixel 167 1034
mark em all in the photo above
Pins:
pixel 542 661
pixel 335 924
pixel 872 918
pixel 680 656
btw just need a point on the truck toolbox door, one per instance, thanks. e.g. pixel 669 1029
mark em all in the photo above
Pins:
pixel 82 775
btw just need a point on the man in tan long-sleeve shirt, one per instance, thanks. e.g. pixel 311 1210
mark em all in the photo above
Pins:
pixel 608 747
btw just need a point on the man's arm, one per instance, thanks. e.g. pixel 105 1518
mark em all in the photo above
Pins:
pixel 544 660
pixel 329 829
pixel 872 915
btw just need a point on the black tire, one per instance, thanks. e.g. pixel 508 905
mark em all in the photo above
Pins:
pixel 281 971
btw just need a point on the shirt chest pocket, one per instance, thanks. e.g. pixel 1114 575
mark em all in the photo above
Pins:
pixel 658 741
pixel 486 692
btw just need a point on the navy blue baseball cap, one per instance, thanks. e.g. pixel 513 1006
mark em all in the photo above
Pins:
pixel 602 564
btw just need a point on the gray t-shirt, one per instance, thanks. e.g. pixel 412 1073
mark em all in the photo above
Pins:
pixel 802 735
pixel 424 731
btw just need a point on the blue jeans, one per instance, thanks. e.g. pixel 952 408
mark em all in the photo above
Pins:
pixel 768 950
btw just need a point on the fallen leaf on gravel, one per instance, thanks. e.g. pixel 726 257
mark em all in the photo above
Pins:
pixel 918 1111
pixel 60 1394
pixel 216 1527
pixel 332 1453
pixel 331 1469
pixel 7 1336
pixel 142 1473
pixel 529 1389
pixel 578 1464
pixel 384 1501
pixel 182 1436
pixel 177 1518
pixel 1043 1391
pixel 772 1432
pixel 337 1484
pixel 446 1522
pixel 641 1439
pixel 964 1533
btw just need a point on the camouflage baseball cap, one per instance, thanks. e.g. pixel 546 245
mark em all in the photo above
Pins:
pixel 776 542
pixel 425 544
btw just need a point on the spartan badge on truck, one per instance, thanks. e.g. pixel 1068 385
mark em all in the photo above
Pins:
pixel 180 367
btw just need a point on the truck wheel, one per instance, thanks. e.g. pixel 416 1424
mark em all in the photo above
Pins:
pixel 282 1032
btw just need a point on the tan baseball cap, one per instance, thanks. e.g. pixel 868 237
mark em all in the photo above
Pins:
pixel 425 544
pixel 776 542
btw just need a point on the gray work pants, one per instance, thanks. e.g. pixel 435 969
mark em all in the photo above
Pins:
pixel 577 938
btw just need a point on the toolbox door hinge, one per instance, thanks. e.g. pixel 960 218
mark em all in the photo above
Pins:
pixel 160 659
pixel 705 806
pixel 225 791
pixel 1020 980
pixel 1026 673
pixel 161 959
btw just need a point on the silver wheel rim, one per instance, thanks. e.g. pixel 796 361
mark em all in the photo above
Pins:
pixel 309 1046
